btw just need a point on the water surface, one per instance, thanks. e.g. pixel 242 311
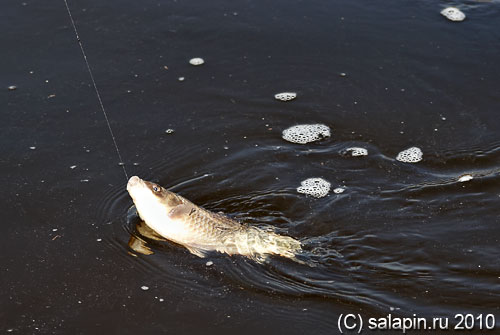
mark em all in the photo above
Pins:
pixel 402 239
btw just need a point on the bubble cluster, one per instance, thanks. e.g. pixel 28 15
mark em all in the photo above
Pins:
pixel 285 96
pixel 410 155
pixel 453 14
pixel 196 61
pixel 316 187
pixel 305 133
pixel 355 151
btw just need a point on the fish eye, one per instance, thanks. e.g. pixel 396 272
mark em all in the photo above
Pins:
pixel 156 188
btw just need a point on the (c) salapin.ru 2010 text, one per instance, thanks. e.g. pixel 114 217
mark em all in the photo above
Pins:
pixel 355 322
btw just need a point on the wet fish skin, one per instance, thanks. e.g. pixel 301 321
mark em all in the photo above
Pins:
pixel 179 220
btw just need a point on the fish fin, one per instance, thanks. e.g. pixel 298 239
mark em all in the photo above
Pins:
pixel 139 245
pixel 146 231
pixel 197 251
pixel 182 210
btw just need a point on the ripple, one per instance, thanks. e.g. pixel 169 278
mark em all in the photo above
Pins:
pixel 113 203
pixel 345 260
pixel 462 158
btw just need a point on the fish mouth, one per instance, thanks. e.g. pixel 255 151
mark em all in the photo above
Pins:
pixel 133 182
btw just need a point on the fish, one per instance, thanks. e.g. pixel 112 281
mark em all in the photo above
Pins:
pixel 201 231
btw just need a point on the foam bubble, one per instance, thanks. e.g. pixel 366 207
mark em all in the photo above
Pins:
pixel 196 61
pixel 453 14
pixel 410 155
pixel 465 177
pixel 339 190
pixel 305 133
pixel 285 96
pixel 316 187
pixel 355 151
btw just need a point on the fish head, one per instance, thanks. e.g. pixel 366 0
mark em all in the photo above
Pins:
pixel 153 202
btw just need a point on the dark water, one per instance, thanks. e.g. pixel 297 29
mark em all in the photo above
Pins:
pixel 403 239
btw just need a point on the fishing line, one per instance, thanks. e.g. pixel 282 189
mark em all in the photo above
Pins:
pixel 95 88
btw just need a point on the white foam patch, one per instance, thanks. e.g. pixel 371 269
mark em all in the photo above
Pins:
pixel 339 190
pixel 285 96
pixel 196 61
pixel 355 151
pixel 305 133
pixel 465 177
pixel 316 187
pixel 410 155
pixel 453 14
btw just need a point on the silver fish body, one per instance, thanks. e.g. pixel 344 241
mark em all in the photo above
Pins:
pixel 177 219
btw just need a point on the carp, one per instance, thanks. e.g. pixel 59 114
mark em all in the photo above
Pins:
pixel 177 219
